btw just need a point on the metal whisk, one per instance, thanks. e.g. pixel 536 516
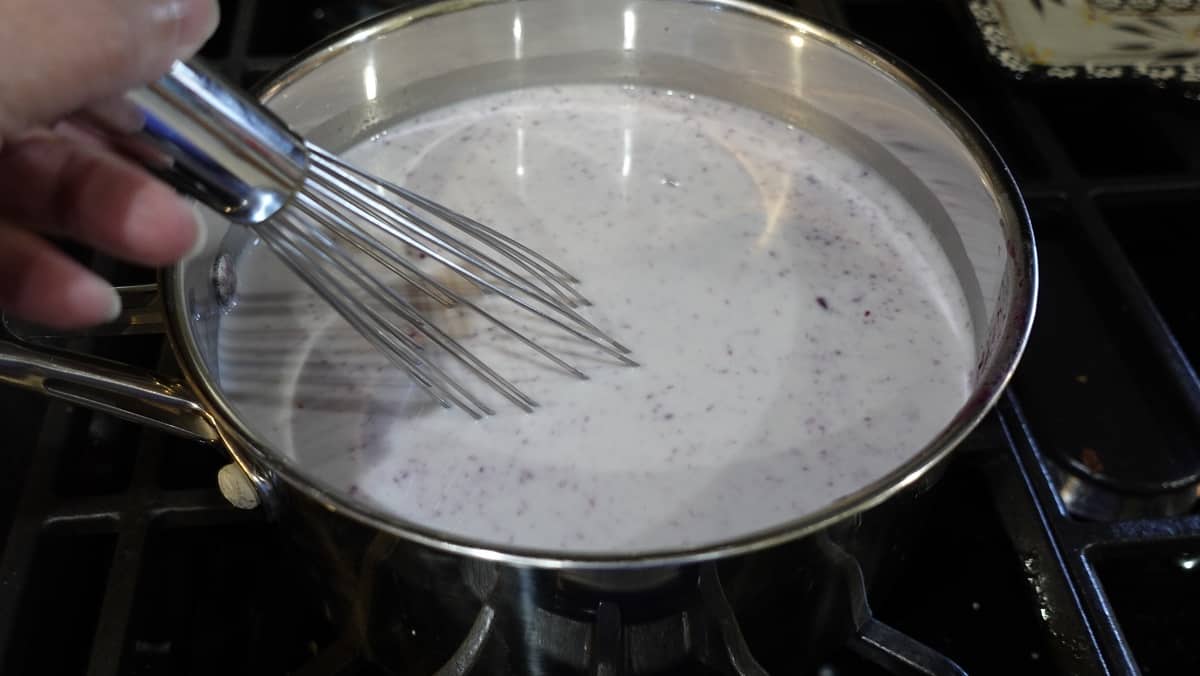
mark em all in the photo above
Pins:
pixel 315 211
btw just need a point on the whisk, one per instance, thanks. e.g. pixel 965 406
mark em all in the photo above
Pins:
pixel 316 212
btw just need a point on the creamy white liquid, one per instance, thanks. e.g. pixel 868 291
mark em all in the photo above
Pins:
pixel 799 329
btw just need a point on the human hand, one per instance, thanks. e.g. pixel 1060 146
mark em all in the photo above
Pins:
pixel 57 57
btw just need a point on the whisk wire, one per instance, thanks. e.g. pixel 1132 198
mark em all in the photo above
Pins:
pixel 304 261
pixel 372 247
pixel 526 257
pixel 404 309
pixel 292 256
pixel 539 266
pixel 366 244
pixel 436 245
pixel 582 328
pixel 231 153
pixel 466 222
pixel 360 278
pixel 401 349
pixel 381 210
pixel 340 204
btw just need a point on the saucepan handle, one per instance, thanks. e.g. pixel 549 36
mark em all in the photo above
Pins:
pixel 141 313
pixel 122 390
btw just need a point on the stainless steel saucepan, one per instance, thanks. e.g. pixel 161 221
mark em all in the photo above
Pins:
pixel 494 606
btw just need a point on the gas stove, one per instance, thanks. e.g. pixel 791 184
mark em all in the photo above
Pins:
pixel 1064 537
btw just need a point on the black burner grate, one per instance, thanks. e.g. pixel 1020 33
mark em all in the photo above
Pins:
pixel 119 557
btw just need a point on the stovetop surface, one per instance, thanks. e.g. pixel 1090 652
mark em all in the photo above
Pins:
pixel 119 556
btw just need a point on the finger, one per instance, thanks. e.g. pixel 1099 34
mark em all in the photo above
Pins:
pixel 89 137
pixel 58 55
pixel 43 285
pixel 97 198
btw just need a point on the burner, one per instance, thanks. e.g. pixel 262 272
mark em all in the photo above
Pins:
pixel 1099 402
pixel 683 624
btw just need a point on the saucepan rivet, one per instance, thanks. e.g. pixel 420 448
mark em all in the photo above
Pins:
pixel 224 280
pixel 236 487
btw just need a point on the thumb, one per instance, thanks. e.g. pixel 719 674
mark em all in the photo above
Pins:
pixel 58 55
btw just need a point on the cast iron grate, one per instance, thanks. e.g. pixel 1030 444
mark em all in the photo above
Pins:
pixel 119 557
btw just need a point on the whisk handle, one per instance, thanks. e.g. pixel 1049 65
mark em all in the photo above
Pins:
pixel 210 141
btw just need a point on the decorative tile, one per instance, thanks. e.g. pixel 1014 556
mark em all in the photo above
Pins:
pixel 1156 41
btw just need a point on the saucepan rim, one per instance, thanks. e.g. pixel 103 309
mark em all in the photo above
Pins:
pixel 991 383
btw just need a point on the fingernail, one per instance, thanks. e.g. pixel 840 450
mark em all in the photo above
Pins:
pixel 94 299
pixel 194 20
pixel 114 305
pixel 201 240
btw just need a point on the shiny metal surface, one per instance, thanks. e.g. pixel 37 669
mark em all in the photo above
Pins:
pixel 314 211
pixel 777 611
pixel 141 313
pixel 1087 498
pixel 358 84
pixel 340 211
pixel 807 74
pixel 507 610
pixel 212 142
pixel 113 388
